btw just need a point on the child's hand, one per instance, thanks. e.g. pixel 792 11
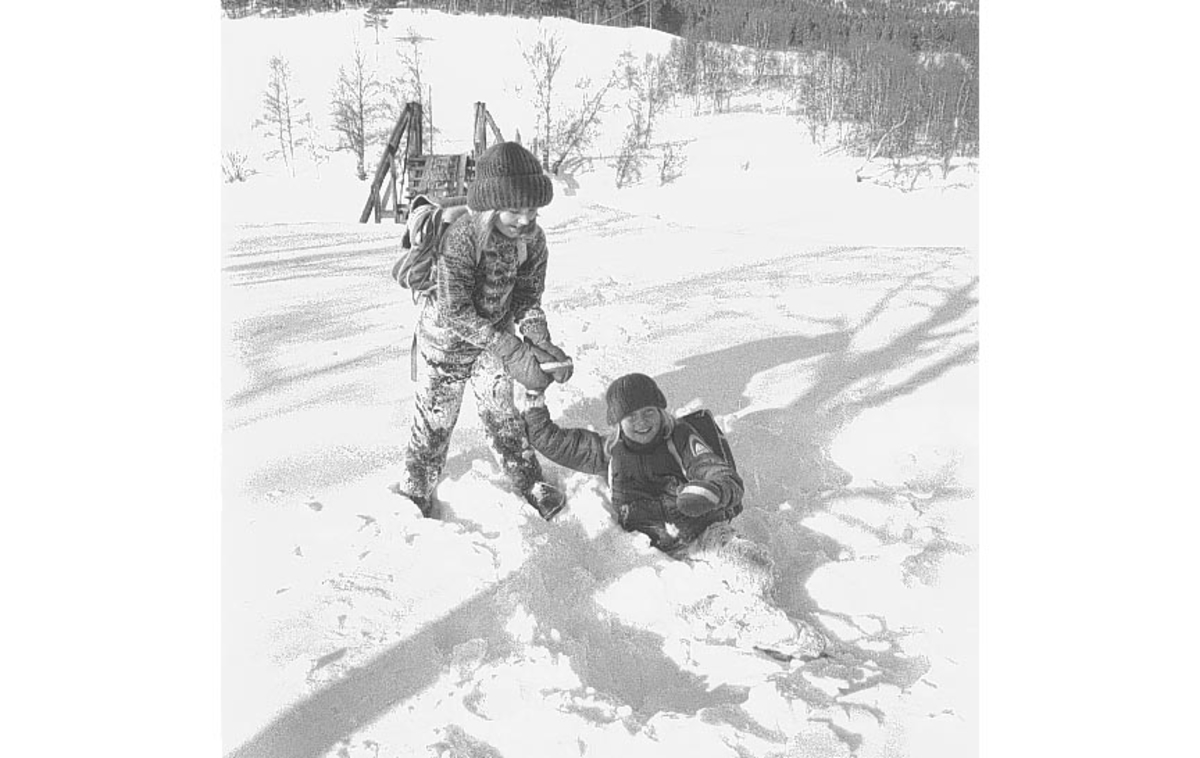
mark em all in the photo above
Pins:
pixel 521 362
pixel 697 498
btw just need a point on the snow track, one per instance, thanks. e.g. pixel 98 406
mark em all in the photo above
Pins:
pixel 829 324
pixel 355 627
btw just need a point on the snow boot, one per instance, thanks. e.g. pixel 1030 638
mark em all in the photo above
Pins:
pixel 546 499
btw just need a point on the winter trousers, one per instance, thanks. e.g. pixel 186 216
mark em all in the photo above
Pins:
pixel 440 389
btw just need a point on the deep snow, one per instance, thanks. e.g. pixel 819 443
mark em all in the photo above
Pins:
pixel 830 324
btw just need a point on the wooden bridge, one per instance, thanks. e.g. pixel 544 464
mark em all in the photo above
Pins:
pixel 408 173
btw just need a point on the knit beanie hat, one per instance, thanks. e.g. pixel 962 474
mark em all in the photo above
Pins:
pixel 630 393
pixel 508 176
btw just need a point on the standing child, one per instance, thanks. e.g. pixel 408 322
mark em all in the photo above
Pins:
pixel 491 272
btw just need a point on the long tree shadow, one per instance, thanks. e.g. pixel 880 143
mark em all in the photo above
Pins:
pixel 557 585
pixel 264 256
pixel 262 340
pixel 718 380
pixel 783 452
pixel 789 447
pixel 303 324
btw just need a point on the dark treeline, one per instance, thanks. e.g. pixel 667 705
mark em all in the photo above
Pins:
pixel 904 72
pixel 915 25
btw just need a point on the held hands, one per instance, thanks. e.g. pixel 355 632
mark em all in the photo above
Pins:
pixel 553 360
pixel 530 399
pixel 521 362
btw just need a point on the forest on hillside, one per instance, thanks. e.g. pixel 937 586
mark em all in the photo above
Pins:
pixel 886 79
pixel 917 25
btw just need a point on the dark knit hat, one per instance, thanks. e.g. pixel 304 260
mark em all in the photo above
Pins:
pixel 508 176
pixel 630 393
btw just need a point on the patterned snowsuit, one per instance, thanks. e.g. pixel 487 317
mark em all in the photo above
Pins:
pixel 644 478
pixel 474 304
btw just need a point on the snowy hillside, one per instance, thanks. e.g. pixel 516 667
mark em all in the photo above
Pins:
pixel 829 324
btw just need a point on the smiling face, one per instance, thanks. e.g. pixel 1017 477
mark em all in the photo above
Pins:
pixel 513 222
pixel 643 425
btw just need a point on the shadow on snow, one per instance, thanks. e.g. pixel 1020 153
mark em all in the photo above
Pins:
pixel 782 454
pixel 557 585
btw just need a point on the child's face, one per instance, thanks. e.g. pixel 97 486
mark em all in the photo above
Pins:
pixel 643 425
pixel 512 222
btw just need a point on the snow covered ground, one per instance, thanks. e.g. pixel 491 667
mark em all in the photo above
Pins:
pixel 830 325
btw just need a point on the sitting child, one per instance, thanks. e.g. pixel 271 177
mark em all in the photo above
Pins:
pixel 666 482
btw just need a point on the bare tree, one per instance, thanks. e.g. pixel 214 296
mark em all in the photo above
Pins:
pixel 281 114
pixel 577 129
pixel 234 166
pixel 683 61
pixel 720 75
pixel 951 142
pixel 671 164
pixel 630 160
pixel 649 85
pixel 410 86
pixel 650 88
pixel 317 152
pixel 358 108
pixel 545 60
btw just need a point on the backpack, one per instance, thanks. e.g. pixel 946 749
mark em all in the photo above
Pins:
pixel 423 234
pixel 704 425
pixel 428 219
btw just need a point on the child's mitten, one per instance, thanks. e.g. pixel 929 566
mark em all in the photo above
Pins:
pixel 697 498
pixel 520 362
pixel 550 354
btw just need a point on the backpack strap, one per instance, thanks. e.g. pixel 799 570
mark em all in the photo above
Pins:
pixel 675 454
pixel 483 230
pixel 673 448
pixel 610 444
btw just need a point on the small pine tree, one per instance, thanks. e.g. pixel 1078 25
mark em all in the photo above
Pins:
pixel 376 17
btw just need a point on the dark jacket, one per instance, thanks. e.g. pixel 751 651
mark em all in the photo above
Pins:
pixel 484 287
pixel 644 478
